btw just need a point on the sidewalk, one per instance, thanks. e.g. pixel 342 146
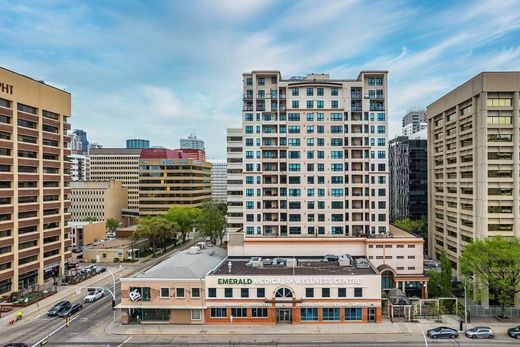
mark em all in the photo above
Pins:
pixel 386 327
pixel 42 306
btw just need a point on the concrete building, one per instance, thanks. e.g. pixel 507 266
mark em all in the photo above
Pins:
pixel 219 181
pixel 98 199
pixel 80 136
pixel 235 201
pixel 120 164
pixel 474 163
pixel 137 143
pixel 407 159
pixel 315 155
pixel 192 142
pixel 168 177
pixel 197 154
pixel 414 121
pixel 80 167
pixel 85 233
pixel 34 178
pixel 108 251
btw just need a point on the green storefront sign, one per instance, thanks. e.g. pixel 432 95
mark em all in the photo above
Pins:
pixel 235 281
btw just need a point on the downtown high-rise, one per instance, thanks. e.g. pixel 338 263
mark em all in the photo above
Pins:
pixel 314 155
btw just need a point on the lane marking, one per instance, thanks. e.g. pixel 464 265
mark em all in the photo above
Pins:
pixel 424 336
pixel 125 341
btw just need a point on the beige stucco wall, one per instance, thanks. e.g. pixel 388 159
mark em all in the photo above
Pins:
pixel 93 232
pixel 116 198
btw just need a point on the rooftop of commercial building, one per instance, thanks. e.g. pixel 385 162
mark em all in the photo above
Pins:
pixel 306 266
pixel 187 265
pixel 111 244
pixel 162 153
pixel 115 151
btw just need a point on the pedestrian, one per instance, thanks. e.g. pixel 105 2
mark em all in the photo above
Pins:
pixel 19 315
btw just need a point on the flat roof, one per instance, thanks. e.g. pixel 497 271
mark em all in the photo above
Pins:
pixel 398 232
pixel 306 266
pixel 183 265
pixel 115 151
pixel 108 244
pixel 35 80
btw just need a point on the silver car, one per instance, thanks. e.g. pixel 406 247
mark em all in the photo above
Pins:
pixel 480 333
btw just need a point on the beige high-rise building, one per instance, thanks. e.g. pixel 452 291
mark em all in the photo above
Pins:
pixel 34 181
pixel 121 164
pixel 235 200
pixel 474 166
pixel 100 200
pixel 314 155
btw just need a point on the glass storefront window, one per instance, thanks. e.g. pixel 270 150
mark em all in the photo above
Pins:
pixel 308 314
pixel 353 314
pixel 330 313
pixel 152 315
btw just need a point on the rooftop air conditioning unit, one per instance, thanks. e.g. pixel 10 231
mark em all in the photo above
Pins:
pixel 362 263
pixel 291 263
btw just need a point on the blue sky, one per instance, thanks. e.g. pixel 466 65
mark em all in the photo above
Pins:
pixel 163 69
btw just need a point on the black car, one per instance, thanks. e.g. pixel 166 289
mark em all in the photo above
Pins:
pixel 514 332
pixel 62 305
pixel 17 345
pixel 70 310
pixel 442 333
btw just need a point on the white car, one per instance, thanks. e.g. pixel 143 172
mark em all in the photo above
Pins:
pixel 95 295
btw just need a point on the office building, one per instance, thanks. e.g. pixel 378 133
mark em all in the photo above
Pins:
pixel 235 201
pixel 100 200
pixel 197 154
pixel 168 177
pixel 414 121
pixel 84 233
pixel 474 163
pixel 137 143
pixel 34 179
pixel 80 167
pixel 219 181
pixel 120 164
pixel 80 136
pixel 192 142
pixel 315 155
pixel 94 145
pixel 75 144
pixel 408 177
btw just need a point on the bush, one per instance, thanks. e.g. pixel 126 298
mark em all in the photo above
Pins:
pixel 116 260
pixel 93 260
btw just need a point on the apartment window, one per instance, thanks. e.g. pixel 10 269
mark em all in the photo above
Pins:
pixel 325 292
pixel 334 91
pixel 310 92
pixel 309 292
pixel 165 292
pixel 179 292
pixel 295 91
pixel 358 292
pixel 334 104
pixel 261 81
pixel 195 292
pixel 50 115
pixel 218 312
pixel 228 292
pixel 195 314
pixel 330 313
pixel 212 292
pixel 260 292
pixel 26 124
pixel 259 312
pixel 295 104
pixel 244 292
pixel 50 129
pixel 499 102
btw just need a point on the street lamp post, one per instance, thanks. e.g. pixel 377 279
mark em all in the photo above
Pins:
pixel 113 293
pixel 466 300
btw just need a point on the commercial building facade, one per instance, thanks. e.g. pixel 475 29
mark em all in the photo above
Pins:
pixel 219 181
pixel 34 180
pixel 100 200
pixel 235 181
pixel 120 164
pixel 137 143
pixel 85 233
pixel 79 142
pixel 408 177
pixel 474 163
pixel 315 155
pixel 168 177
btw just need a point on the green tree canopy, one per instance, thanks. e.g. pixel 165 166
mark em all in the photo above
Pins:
pixel 89 219
pixel 445 276
pixel 112 224
pixel 185 217
pixel 496 264
pixel 416 226
pixel 157 229
pixel 212 222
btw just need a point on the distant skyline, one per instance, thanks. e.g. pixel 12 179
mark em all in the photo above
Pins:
pixel 161 70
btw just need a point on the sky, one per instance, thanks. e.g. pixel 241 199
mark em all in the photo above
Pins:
pixel 160 70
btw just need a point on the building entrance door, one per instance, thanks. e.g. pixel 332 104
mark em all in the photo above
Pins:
pixel 283 315
pixel 371 315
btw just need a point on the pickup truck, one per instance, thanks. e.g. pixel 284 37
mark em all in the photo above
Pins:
pixel 95 295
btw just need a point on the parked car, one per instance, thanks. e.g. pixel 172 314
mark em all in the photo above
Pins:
pixel 90 268
pixel 76 250
pixel 95 295
pixel 514 332
pixel 442 333
pixel 58 307
pixel 480 333
pixel 70 310
pixel 17 344
pixel 100 269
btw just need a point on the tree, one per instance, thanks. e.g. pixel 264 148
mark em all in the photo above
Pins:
pixel 496 264
pixel 434 284
pixel 416 226
pixel 158 230
pixel 185 217
pixel 89 219
pixel 445 276
pixel 212 222
pixel 112 224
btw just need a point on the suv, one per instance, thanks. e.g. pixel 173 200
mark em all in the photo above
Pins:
pixel 480 333
pixel 95 295
pixel 514 332
pixel 442 333
pixel 62 305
